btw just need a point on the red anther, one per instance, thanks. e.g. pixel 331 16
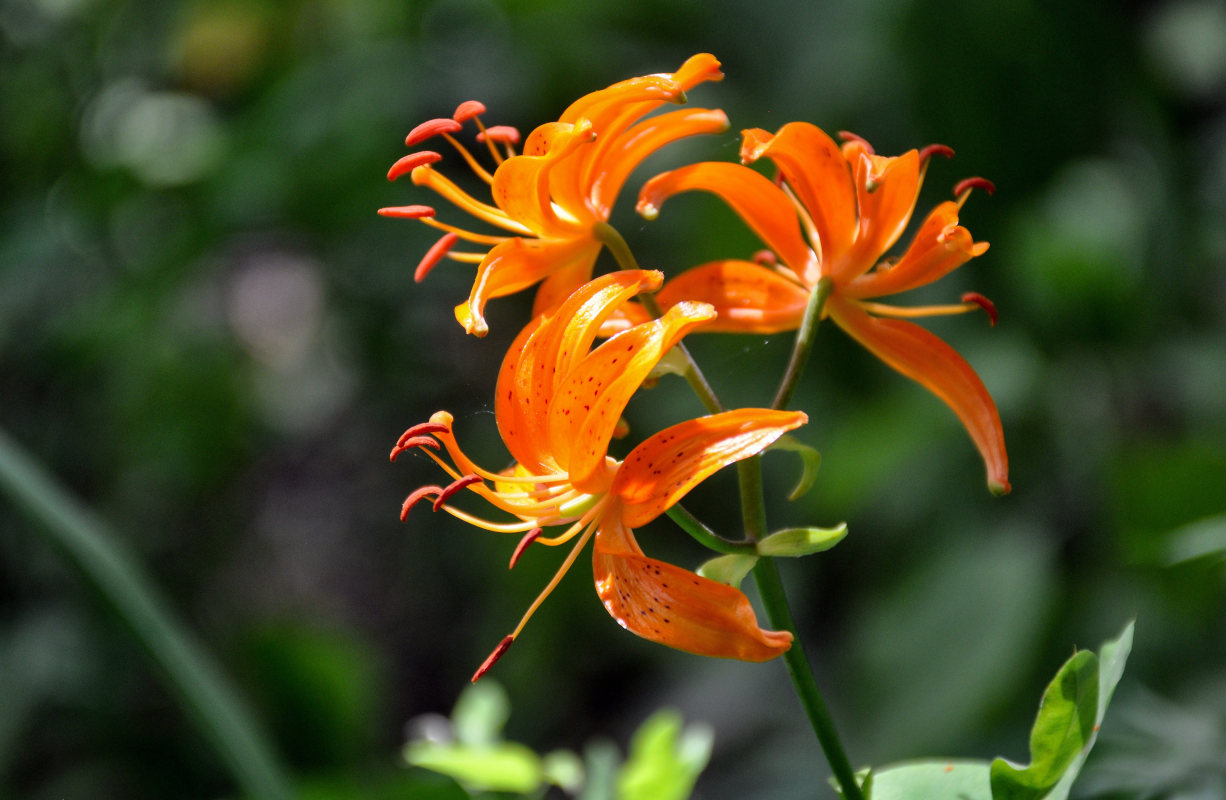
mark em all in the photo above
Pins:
pixel 407 212
pixel 974 183
pixel 529 537
pixel 936 150
pixel 434 255
pixel 414 498
pixel 848 136
pixel 422 429
pixel 429 128
pixel 467 110
pixel 454 488
pixel 501 134
pixel 984 303
pixel 411 162
pixel 492 658
pixel 766 258
pixel 416 441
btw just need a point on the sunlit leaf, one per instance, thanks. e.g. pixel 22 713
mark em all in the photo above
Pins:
pixel 1066 727
pixel 479 714
pixel 665 760
pixel 503 767
pixel 931 780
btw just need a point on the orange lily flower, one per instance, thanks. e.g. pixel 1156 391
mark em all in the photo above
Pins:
pixel 557 407
pixel 547 200
pixel 833 214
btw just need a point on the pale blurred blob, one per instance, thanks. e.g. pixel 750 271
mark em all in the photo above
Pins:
pixel 165 138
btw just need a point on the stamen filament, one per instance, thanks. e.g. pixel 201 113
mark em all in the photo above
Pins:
pixel 432 178
pixel 468 236
pixel 913 312
pixel 557 578
pixel 468 157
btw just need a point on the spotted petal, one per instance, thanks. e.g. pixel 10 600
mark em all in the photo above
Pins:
pixel 675 607
pixel 667 465
pixel 587 405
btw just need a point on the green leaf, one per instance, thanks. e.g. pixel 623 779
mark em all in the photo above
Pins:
pixel 729 569
pixel 479 714
pixel 802 541
pixel 1066 727
pixel 503 767
pixel 664 761
pixel 810 461
pixel 563 768
pixel 931 780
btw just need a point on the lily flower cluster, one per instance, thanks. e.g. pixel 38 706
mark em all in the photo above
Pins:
pixel 828 219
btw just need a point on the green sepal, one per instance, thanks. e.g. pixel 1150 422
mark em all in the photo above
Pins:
pixel 802 541
pixel 729 569
pixel 810 461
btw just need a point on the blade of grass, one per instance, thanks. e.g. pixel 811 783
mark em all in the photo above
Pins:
pixel 110 568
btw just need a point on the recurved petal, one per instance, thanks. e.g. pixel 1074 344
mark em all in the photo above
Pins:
pixel 748 297
pixel 674 606
pixel 521 184
pixel 516 264
pixel 521 430
pixel 923 357
pixel 886 190
pixel 813 165
pixel 940 246
pixel 590 399
pixel 616 157
pixel 761 204
pixel 667 465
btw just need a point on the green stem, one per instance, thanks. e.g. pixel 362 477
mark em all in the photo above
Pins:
pixel 208 698
pixel 775 601
pixel 705 536
pixel 753 510
pixel 770 587
pixel 804 341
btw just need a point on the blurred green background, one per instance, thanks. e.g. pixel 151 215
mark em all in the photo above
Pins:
pixel 208 335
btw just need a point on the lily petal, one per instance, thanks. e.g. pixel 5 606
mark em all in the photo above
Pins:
pixel 587 405
pixel 813 165
pixel 616 157
pixel 940 246
pixel 886 190
pixel 924 358
pixel 667 465
pixel 748 297
pixel 521 184
pixel 517 264
pixel 761 204
pixel 676 607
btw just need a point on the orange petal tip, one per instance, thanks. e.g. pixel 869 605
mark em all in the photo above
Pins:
pixel 848 136
pixel 999 487
pixel 493 657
